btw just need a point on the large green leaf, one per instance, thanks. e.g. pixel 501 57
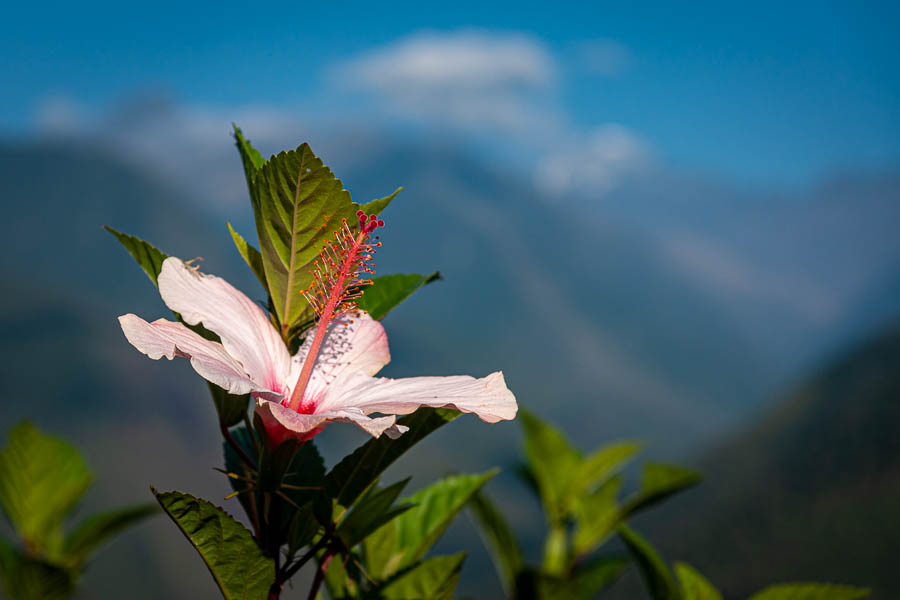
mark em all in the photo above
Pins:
pixel 98 528
pixel 553 461
pixel 602 464
pixel 654 571
pixel 372 511
pixel 695 586
pixel 148 256
pixel 388 291
pixel 432 579
pixel 42 478
pixel 658 482
pixel 810 591
pixel 500 541
pixel 298 203
pixel 357 471
pixel 238 566
pixel 406 539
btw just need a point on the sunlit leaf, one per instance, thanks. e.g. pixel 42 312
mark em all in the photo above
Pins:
pixel 406 539
pixel 432 579
pixel 350 477
pixel 695 586
pixel 388 291
pixel 238 566
pixel 810 591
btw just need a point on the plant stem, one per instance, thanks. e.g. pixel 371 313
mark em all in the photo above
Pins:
pixel 320 575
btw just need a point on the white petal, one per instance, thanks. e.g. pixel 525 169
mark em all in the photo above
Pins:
pixel 488 397
pixel 354 344
pixel 165 338
pixel 244 328
pixel 302 425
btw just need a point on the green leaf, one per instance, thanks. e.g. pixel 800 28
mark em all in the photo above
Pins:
pixel 27 578
pixel 372 511
pixel 251 255
pixel 149 257
pixel 378 205
pixel 388 291
pixel 810 591
pixel 298 204
pixel 599 466
pixel 230 408
pixel 585 583
pixel 500 541
pixel 238 566
pixel 554 463
pixel 658 482
pixel 234 464
pixel 654 571
pixel 98 528
pixel 250 156
pixel 695 586
pixel 432 579
pixel 597 516
pixel 42 478
pixel 350 477
pixel 406 539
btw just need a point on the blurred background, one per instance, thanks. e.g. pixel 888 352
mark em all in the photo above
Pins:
pixel 673 223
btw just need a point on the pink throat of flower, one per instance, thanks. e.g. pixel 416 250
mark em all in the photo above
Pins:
pixel 342 269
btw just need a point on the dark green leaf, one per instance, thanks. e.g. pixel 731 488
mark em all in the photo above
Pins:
pixel 149 257
pixel 230 408
pixel 810 591
pixel 406 539
pixel 250 156
pixel 695 586
pixel 251 255
pixel 388 291
pixel 350 477
pixel 372 511
pixel 98 528
pixel 658 482
pixel 302 529
pixel 27 578
pixel 553 461
pixel 654 571
pixel 500 541
pixel 238 566
pixel 299 203
pixel 432 579
pixel 234 464
pixel 42 478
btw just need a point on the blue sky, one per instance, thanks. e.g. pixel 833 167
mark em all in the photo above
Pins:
pixel 769 93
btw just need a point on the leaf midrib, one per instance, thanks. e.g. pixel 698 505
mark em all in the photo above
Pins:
pixel 290 279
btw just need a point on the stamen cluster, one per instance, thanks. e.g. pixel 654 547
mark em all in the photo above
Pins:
pixel 343 268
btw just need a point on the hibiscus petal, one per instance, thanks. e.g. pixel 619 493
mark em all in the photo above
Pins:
pixel 354 344
pixel 165 338
pixel 487 397
pixel 283 423
pixel 243 327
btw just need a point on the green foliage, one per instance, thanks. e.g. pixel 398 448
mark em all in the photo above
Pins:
pixel 42 479
pixel 356 472
pixel 810 591
pixel 372 511
pixel 660 481
pixel 237 564
pixel 434 579
pixel 149 257
pixel 651 565
pixel 297 203
pixel 406 539
pixel 694 586
pixel 250 254
pixel 387 291
pixel 585 584
pixel 499 539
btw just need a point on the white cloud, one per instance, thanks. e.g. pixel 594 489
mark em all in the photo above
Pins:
pixel 470 79
pixel 592 164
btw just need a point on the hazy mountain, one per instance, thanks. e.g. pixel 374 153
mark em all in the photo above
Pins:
pixel 809 492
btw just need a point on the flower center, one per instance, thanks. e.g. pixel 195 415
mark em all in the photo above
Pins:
pixel 339 273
